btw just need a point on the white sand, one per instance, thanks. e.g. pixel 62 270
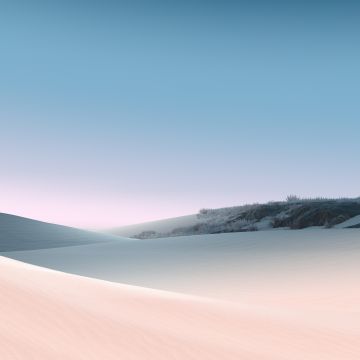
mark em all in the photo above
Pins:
pixel 350 222
pixel 18 233
pixel 223 266
pixel 52 315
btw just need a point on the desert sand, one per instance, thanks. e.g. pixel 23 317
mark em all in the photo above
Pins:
pixel 46 314
pixel 224 266
pixel 18 233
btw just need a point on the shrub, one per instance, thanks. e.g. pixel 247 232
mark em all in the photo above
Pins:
pixel 292 198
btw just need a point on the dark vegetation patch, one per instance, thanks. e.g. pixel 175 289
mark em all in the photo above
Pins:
pixel 261 211
pixel 295 213
pixel 357 226
pixel 327 213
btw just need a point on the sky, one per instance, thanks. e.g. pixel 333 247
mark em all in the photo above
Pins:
pixel 119 112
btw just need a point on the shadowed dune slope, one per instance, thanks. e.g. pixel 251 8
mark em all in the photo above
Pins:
pixel 18 233
pixel 221 265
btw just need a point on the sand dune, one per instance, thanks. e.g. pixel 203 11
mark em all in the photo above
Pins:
pixel 160 226
pixel 225 266
pixel 19 233
pixel 52 315
pixel 271 295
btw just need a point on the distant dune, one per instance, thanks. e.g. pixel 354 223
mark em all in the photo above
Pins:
pixel 18 233
pixel 159 226
pixel 51 315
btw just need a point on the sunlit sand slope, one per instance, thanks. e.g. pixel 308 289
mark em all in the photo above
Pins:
pixel 52 315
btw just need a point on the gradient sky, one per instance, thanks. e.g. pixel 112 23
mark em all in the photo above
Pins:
pixel 117 112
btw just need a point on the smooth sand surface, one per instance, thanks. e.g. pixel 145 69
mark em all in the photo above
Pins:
pixel 18 233
pixel 45 314
pixel 223 266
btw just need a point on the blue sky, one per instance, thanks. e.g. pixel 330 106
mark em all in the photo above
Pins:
pixel 116 112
